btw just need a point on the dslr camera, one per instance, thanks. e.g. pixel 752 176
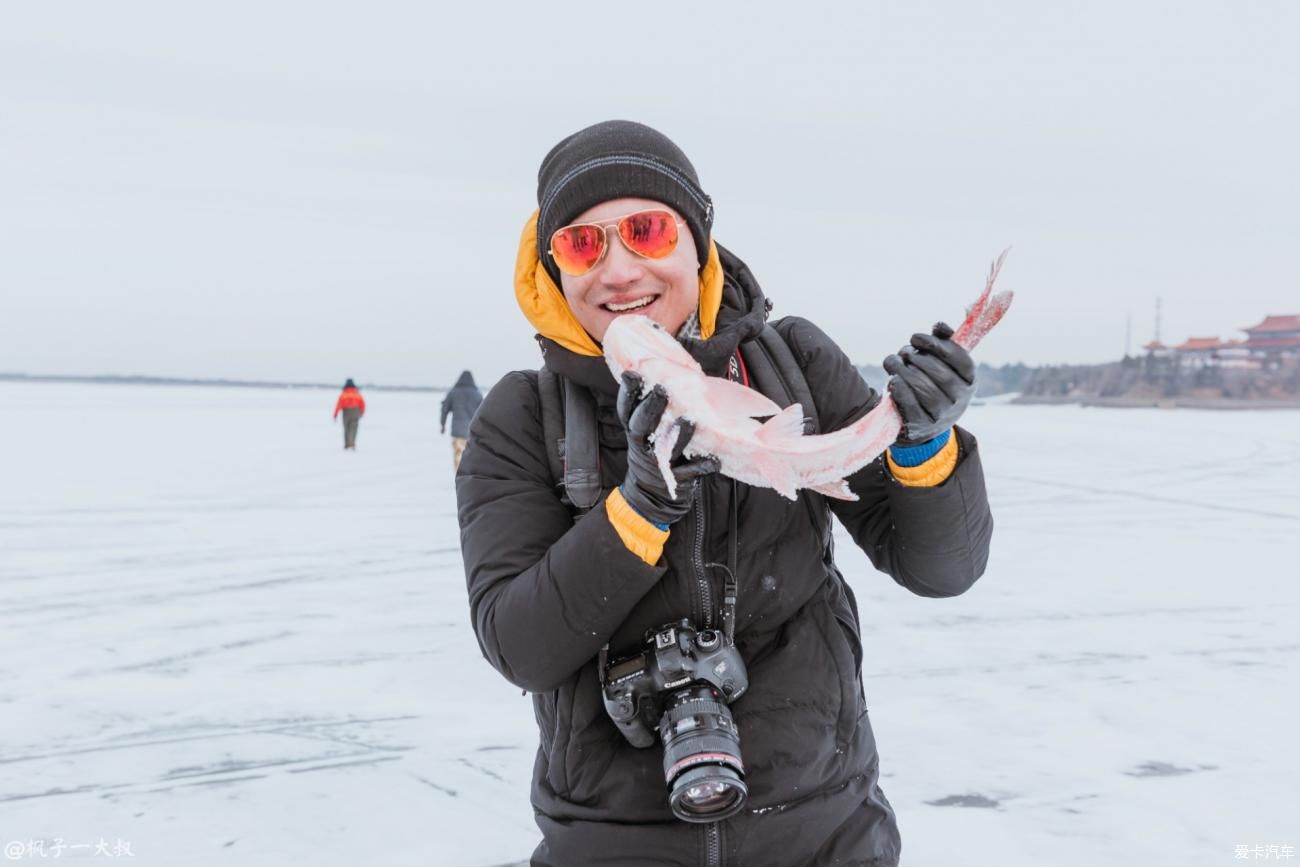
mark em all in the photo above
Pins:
pixel 680 686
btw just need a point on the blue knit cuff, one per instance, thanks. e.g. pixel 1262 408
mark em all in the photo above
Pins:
pixel 914 456
pixel 633 508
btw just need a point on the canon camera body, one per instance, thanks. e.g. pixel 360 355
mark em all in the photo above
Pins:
pixel 680 686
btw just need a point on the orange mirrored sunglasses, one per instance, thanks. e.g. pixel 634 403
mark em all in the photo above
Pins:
pixel 651 234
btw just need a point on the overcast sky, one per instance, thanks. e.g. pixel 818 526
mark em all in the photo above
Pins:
pixel 313 191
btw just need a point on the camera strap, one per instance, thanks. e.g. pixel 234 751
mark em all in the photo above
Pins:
pixel 731 588
pixel 737 371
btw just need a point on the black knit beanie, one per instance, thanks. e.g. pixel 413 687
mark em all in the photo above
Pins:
pixel 614 160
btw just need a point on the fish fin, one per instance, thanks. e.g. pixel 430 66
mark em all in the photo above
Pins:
pixel 778 473
pixel 732 398
pixel 836 490
pixel 785 425
pixel 664 438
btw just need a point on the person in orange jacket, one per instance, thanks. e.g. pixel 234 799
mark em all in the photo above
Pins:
pixel 353 406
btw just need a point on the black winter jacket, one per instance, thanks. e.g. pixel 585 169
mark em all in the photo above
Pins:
pixel 546 593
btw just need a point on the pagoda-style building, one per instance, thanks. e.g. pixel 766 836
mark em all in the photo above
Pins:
pixel 1266 344
pixel 1276 336
pixel 1198 345
pixel 1200 351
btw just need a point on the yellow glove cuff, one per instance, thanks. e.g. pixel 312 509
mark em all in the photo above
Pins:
pixel 640 536
pixel 933 472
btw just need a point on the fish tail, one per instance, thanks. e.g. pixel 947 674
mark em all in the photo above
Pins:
pixel 976 312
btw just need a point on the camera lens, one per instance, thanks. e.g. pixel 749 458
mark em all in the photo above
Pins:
pixel 702 763
pixel 711 798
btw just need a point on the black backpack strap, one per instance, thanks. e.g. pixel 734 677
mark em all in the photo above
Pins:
pixel 581 448
pixel 572 436
pixel 776 373
pixel 552 400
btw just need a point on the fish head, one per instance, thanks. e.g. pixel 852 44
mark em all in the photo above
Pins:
pixel 632 342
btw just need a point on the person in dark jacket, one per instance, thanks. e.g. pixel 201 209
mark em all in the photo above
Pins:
pixel 353 407
pixel 548 590
pixel 461 402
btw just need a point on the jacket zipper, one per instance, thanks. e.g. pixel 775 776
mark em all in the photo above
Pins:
pixel 713 845
pixel 702 577
pixel 713 830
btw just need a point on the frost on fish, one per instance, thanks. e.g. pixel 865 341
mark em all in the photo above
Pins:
pixel 774 453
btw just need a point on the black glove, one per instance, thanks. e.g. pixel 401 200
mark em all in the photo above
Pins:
pixel 644 487
pixel 932 382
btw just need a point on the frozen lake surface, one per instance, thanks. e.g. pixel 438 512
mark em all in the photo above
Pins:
pixel 224 640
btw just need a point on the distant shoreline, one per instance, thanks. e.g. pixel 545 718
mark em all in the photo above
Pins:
pixel 218 383
pixel 1216 403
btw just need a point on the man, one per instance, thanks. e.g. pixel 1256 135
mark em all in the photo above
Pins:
pixel 623 228
pixel 353 407
pixel 461 402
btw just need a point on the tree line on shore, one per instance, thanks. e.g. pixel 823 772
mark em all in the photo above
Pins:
pixel 1134 379
pixel 1156 379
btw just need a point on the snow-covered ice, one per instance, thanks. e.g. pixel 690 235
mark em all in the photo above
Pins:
pixel 224 640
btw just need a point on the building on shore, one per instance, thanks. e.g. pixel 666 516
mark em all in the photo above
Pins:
pixel 1156 349
pixel 1274 340
pixel 1198 351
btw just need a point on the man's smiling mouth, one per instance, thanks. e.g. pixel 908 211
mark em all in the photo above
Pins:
pixel 631 305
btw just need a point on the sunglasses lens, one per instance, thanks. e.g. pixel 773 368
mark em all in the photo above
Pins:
pixel 577 249
pixel 652 234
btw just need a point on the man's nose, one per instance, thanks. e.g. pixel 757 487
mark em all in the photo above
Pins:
pixel 621 266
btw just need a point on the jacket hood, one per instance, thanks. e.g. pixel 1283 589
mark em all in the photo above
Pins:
pixel 466 380
pixel 732 311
